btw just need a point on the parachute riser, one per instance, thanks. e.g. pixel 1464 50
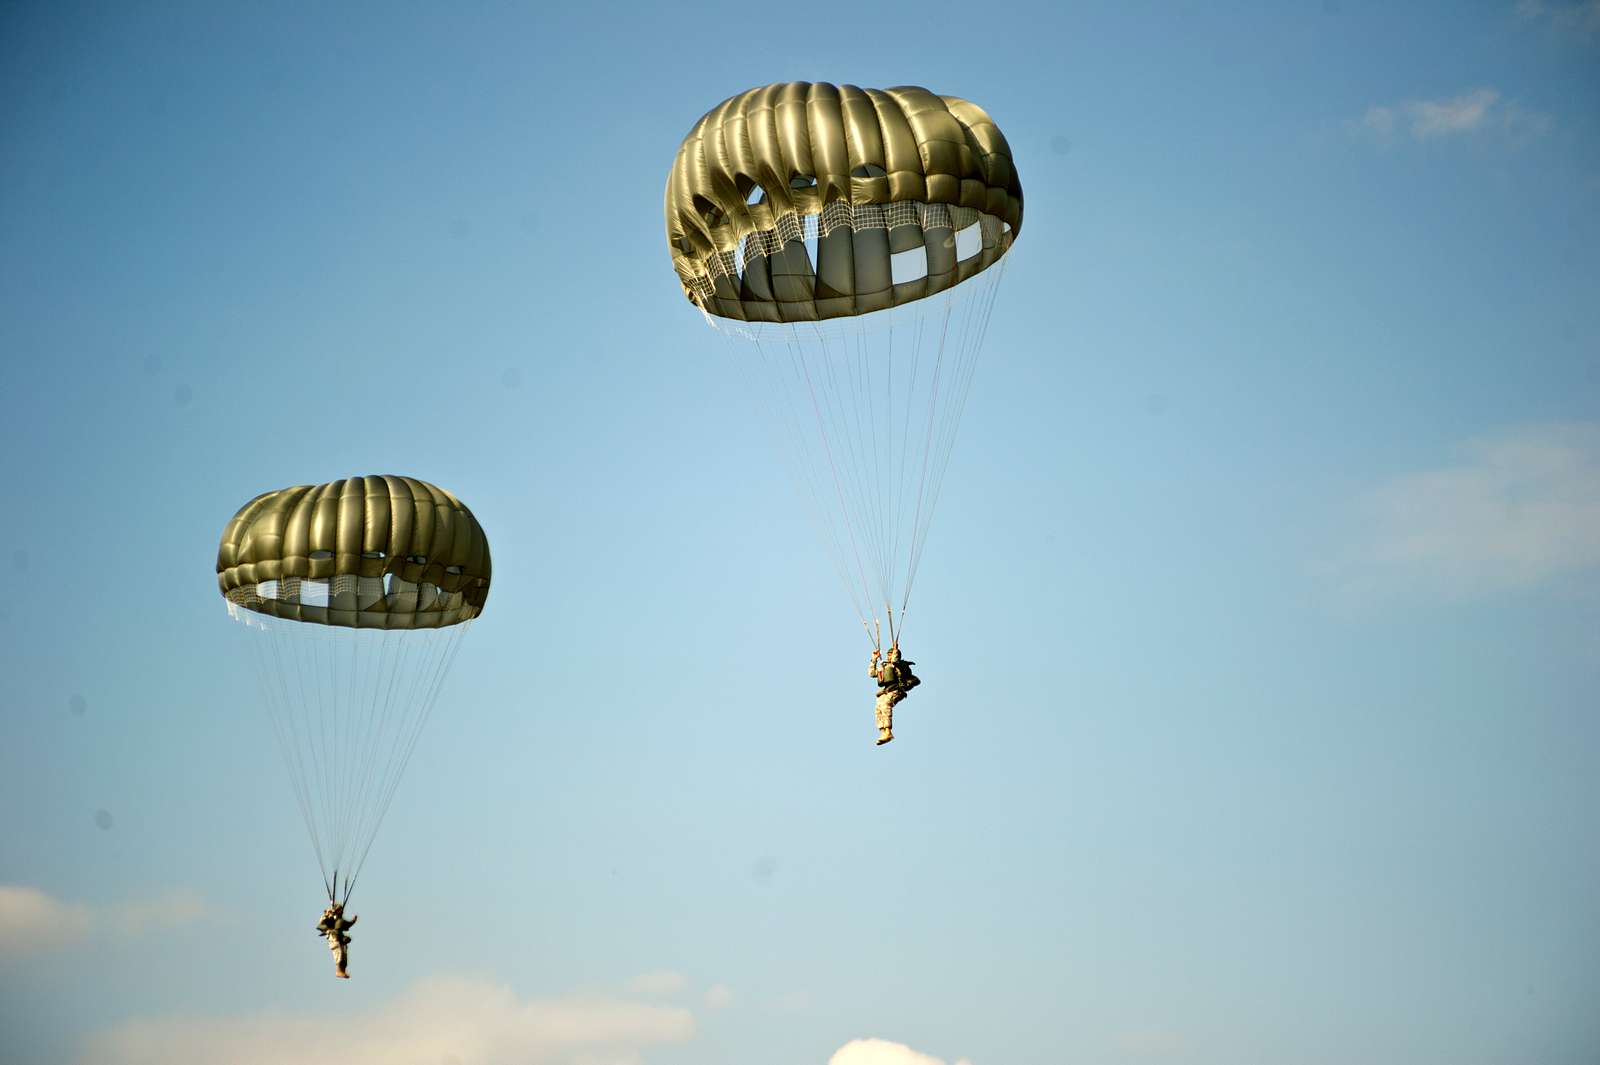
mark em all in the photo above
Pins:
pixel 875 630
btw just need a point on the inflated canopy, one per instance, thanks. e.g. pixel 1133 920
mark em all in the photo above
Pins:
pixel 803 200
pixel 366 552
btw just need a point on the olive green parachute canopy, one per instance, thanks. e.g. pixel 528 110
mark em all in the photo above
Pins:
pixel 389 571
pixel 366 552
pixel 801 201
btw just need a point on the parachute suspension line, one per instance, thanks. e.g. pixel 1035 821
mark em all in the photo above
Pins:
pixel 330 651
pixel 877 500
pixel 860 434
pixel 264 653
pixel 834 425
pixel 310 677
pixel 844 402
pixel 294 655
pixel 905 435
pixel 977 316
pixel 354 729
pixel 838 488
pixel 351 770
pixel 430 697
pixel 860 439
pixel 347 722
pixel 984 313
pixel 313 675
pixel 372 721
pixel 305 650
pixel 294 663
pixel 384 736
pixel 936 454
pixel 779 386
pixel 887 495
pixel 933 408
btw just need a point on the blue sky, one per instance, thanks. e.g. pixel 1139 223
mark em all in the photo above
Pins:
pixel 1258 623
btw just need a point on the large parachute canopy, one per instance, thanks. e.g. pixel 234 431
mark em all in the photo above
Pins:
pixel 355 594
pixel 856 238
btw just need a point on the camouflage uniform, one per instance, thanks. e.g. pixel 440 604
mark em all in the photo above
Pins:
pixel 334 926
pixel 894 679
pixel 883 708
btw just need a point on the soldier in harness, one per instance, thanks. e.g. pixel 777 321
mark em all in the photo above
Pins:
pixel 895 680
pixel 335 927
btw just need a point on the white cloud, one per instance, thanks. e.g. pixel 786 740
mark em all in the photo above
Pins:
pixel 463 1021
pixel 719 996
pixel 1516 511
pixel 1580 19
pixel 168 911
pixel 659 982
pixel 882 1052
pixel 32 920
pixel 1438 118
pixel 1475 111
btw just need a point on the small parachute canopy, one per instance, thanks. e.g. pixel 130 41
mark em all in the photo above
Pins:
pixel 354 596
pixel 379 552
pixel 801 201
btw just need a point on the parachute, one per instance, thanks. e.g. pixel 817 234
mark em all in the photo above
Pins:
pixel 355 595
pixel 849 243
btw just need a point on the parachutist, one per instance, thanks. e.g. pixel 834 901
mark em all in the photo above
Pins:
pixel 334 926
pixel 895 681
pixel 316 571
pixel 787 210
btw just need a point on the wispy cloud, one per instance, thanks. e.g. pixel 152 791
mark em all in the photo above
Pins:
pixel 456 1020
pixel 32 920
pixel 1515 511
pixel 168 911
pixel 719 996
pixel 658 982
pixel 1580 20
pixel 1475 112
pixel 882 1052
